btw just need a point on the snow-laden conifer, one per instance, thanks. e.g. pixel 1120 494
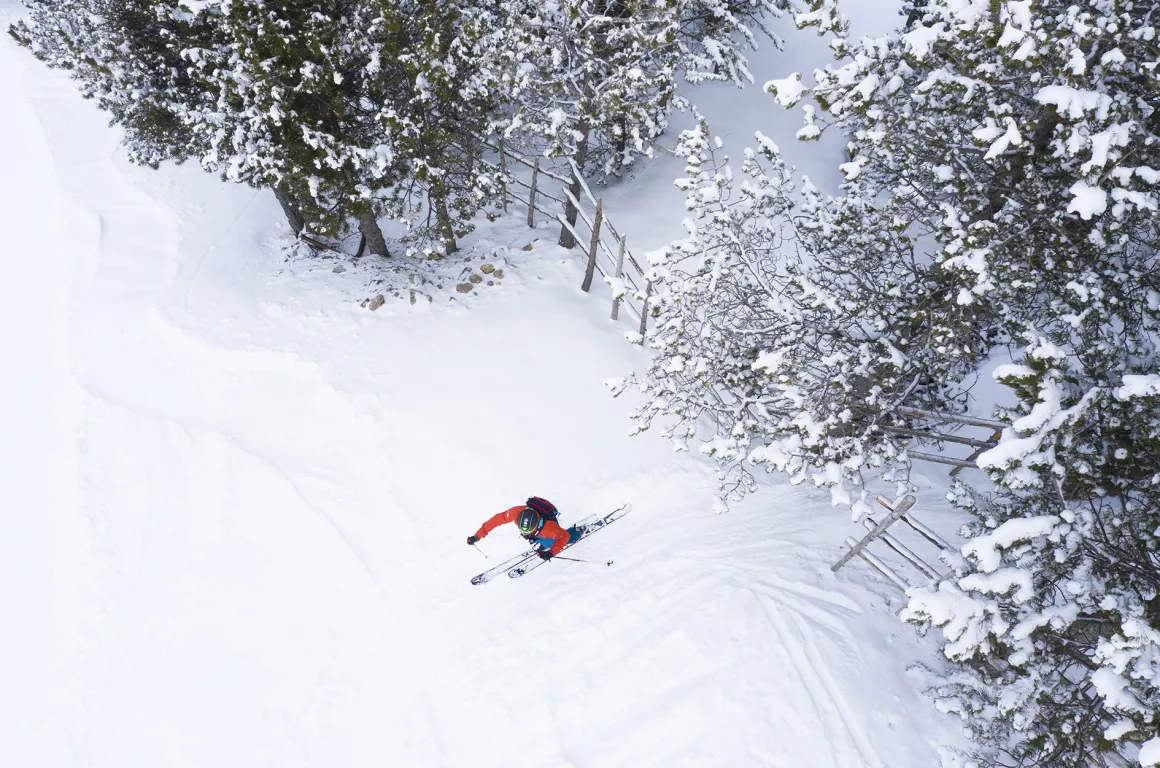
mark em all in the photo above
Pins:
pixel 354 107
pixel 1000 205
pixel 120 55
pixel 348 109
pixel 455 73
pixel 596 80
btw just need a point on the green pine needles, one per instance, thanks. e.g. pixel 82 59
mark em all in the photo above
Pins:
pixel 999 219
pixel 352 110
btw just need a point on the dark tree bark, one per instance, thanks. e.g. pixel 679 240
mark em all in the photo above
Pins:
pixel 621 141
pixel 914 12
pixel 443 221
pixel 567 239
pixel 1006 182
pixel 290 207
pixel 368 226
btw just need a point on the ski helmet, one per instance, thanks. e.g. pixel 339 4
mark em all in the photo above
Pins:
pixel 528 520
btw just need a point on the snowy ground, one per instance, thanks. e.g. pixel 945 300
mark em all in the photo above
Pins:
pixel 235 505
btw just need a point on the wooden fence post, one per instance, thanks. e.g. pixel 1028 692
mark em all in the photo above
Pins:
pixel 957 419
pixel 644 307
pixel 532 196
pixel 619 275
pixel 503 174
pixel 895 513
pixel 594 247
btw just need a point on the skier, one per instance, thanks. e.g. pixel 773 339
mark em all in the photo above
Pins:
pixel 537 522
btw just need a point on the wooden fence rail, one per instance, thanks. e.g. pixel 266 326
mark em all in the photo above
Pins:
pixel 614 261
pixel 878 531
pixel 903 551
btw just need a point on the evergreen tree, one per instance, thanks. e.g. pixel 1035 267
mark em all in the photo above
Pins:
pixel 346 108
pixel 130 56
pixel 120 54
pixel 1000 201
pixel 596 79
pixel 288 80
pixel 358 107
pixel 452 65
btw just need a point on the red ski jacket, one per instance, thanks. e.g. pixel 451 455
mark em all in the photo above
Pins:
pixel 550 536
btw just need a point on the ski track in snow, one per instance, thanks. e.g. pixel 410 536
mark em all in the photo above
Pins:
pixel 828 700
pixel 274 490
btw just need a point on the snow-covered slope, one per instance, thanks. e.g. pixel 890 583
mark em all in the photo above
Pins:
pixel 235 506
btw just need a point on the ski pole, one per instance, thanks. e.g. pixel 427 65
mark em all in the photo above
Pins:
pixel 576 560
pixel 480 551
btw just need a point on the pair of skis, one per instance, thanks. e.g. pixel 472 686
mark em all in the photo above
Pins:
pixel 530 560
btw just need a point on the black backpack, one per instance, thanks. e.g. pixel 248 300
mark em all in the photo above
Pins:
pixel 546 509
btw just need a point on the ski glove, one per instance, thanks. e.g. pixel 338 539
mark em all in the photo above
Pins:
pixel 472 539
pixel 545 555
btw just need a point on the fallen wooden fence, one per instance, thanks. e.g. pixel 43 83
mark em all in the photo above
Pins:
pixel 936 419
pixel 878 530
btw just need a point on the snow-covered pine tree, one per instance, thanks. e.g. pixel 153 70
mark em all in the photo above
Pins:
pixel 717 311
pixel 441 76
pixel 590 73
pixel 346 108
pixel 1001 201
pixel 358 108
pixel 289 82
pixel 785 322
pixel 1042 145
pixel 596 79
pixel 119 54
pixel 128 54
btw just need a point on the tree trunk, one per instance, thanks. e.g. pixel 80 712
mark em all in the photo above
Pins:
pixel 914 13
pixel 567 239
pixel 443 221
pixel 290 207
pixel 368 226
pixel 1006 181
pixel 532 196
pixel 593 248
pixel 621 142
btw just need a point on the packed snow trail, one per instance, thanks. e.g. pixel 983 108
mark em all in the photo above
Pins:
pixel 256 549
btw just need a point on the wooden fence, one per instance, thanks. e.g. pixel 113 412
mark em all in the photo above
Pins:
pixel 934 420
pixel 878 531
pixel 607 248
pixel 901 510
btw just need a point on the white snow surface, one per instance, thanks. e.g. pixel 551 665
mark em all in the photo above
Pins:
pixel 986 548
pixel 1139 386
pixel 1150 752
pixel 235 505
pixel 1087 201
